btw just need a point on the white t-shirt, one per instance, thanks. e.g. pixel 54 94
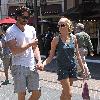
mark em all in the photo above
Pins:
pixel 25 58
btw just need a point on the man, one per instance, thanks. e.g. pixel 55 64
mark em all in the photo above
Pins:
pixel 6 55
pixel 48 38
pixel 22 41
pixel 84 43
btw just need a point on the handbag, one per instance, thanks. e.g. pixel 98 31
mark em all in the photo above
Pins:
pixel 85 92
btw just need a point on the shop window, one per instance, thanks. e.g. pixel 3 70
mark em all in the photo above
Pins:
pixel 76 3
pixel 87 1
pixel 91 28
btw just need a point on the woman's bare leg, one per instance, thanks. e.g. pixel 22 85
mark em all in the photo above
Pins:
pixel 21 95
pixel 66 89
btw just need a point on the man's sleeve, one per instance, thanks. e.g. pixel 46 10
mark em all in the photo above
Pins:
pixel 34 33
pixel 90 46
pixel 9 36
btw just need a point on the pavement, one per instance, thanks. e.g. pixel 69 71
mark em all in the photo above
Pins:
pixel 51 88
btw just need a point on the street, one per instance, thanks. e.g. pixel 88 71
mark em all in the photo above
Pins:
pixel 50 87
pixel 26 25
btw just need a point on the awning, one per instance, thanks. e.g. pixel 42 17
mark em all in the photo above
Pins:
pixel 96 11
pixel 33 21
pixel 83 11
pixel 96 16
pixel 53 9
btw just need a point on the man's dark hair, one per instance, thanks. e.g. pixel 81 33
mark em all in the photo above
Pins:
pixel 20 10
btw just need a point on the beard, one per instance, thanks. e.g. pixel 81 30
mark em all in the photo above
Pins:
pixel 23 22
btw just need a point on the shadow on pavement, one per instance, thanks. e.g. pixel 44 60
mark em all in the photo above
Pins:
pixel 95 70
pixel 5 82
pixel 51 67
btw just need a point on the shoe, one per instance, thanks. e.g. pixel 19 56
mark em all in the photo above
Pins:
pixel 88 77
pixel 80 76
pixel 5 82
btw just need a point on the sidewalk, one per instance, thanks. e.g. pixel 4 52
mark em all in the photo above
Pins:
pixel 50 87
pixel 94 59
pixel 49 80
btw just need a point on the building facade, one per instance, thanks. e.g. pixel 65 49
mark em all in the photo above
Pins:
pixel 85 11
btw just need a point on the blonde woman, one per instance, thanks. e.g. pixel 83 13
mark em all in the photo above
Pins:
pixel 66 45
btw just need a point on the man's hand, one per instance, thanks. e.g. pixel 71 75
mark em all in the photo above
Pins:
pixel 91 53
pixel 40 66
pixel 34 42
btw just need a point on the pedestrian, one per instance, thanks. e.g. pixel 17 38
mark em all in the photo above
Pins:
pixel 48 38
pixel 6 55
pixel 66 45
pixel 22 41
pixel 84 43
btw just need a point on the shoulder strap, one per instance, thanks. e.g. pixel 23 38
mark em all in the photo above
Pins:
pixel 72 38
pixel 58 38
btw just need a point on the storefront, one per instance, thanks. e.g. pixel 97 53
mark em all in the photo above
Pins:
pixel 89 15
pixel 48 16
pixel 50 13
pixel 92 27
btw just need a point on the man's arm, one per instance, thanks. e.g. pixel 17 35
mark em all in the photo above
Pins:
pixel 39 64
pixel 90 46
pixel 12 44
pixel 37 53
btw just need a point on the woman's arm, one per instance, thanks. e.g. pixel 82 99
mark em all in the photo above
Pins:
pixel 78 55
pixel 52 51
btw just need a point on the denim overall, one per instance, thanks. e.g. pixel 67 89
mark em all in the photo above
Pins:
pixel 66 59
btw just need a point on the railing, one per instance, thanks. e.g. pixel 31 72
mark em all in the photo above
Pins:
pixel 16 1
pixel 38 1
pixel 20 1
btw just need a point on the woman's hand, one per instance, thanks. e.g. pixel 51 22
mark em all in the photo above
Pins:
pixel 85 73
pixel 91 53
pixel 40 66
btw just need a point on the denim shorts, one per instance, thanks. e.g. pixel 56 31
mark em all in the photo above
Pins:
pixel 64 73
pixel 24 79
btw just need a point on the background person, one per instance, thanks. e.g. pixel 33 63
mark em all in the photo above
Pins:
pixel 48 38
pixel 22 41
pixel 66 44
pixel 84 43
pixel 6 55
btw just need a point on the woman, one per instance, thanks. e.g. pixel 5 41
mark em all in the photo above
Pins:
pixel 66 46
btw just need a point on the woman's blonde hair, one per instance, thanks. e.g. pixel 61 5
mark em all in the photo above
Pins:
pixel 68 22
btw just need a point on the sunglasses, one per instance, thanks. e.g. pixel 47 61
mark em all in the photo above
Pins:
pixel 25 17
pixel 62 25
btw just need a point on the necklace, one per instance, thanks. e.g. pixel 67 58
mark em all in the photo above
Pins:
pixel 65 41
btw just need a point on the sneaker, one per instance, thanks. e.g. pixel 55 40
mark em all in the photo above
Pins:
pixel 5 82
pixel 80 76
pixel 88 77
